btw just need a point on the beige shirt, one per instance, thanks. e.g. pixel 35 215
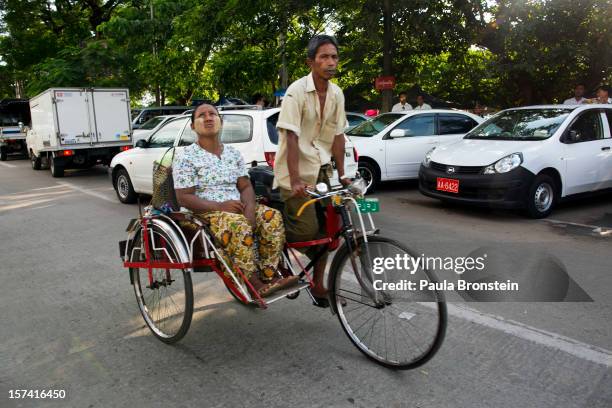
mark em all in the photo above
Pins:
pixel 301 113
pixel 422 107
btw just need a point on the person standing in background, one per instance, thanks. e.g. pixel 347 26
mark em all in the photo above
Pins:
pixel 578 96
pixel 402 105
pixel 259 100
pixel 421 105
pixel 602 95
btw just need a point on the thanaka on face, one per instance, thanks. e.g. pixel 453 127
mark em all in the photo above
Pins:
pixel 207 122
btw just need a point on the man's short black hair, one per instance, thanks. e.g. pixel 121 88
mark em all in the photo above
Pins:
pixel 603 88
pixel 403 93
pixel 579 84
pixel 256 97
pixel 196 108
pixel 317 41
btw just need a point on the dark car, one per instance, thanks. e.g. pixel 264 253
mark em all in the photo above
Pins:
pixel 147 113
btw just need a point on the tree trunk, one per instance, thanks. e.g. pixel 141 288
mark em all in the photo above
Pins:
pixel 284 78
pixel 19 94
pixel 387 94
pixel 526 90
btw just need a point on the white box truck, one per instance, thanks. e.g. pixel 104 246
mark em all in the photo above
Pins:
pixel 78 127
pixel 14 115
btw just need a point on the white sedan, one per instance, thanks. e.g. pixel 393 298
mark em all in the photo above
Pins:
pixel 251 131
pixel 393 145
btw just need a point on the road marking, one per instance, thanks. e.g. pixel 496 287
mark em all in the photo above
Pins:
pixel 7 165
pixel 594 228
pixel 46 188
pixel 88 192
pixel 41 207
pixel 23 204
pixel 545 338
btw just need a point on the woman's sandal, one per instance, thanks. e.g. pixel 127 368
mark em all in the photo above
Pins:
pixel 277 285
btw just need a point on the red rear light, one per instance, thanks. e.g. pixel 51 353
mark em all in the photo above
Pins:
pixel 124 148
pixel 65 153
pixel 270 158
pixel 355 155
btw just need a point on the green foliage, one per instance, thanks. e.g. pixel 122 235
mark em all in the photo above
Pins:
pixel 465 77
pixel 544 47
pixel 502 52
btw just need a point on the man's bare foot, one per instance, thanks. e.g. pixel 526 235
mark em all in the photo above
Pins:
pixel 319 292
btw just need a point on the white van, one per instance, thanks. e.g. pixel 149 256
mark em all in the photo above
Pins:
pixel 530 157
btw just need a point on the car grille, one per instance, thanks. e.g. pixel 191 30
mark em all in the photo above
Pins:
pixel 458 169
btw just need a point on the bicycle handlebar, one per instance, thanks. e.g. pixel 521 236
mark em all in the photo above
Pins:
pixel 316 197
pixel 358 187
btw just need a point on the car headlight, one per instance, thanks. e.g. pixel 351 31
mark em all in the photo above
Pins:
pixel 427 158
pixel 505 164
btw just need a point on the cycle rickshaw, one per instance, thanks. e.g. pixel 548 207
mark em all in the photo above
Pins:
pixel 395 328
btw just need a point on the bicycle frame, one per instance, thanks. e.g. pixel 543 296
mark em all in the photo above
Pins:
pixel 338 225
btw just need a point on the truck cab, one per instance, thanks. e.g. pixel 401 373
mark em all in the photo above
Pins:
pixel 14 119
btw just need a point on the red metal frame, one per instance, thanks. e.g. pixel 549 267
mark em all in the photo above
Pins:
pixel 303 244
pixel 333 225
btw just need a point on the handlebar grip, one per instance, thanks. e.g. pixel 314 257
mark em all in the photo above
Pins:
pixel 306 204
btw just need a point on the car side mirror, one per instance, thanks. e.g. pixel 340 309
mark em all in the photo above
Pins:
pixel 142 143
pixel 572 136
pixel 397 133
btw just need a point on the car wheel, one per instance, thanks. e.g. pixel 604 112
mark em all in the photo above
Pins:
pixel 123 187
pixel 57 169
pixel 3 153
pixel 542 197
pixel 369 173
pixel 36 162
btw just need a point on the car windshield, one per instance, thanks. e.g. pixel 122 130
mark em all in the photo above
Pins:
pixel 521 124
pixel 151 123
pixel 14 113
pixel 374 126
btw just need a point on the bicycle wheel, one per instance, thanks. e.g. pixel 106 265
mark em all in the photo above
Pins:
pixel 399 329
pixel 167 304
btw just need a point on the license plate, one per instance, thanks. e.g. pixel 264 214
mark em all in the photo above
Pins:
pixel 368 205
pixel 447 185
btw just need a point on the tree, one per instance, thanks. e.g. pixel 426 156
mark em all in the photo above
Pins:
pixel 543 48
pixel 422 27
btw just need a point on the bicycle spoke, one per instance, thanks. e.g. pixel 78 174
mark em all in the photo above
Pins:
pixel 396 332
pixel 164 303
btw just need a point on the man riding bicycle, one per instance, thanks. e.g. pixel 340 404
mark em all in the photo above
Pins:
pixel 311 128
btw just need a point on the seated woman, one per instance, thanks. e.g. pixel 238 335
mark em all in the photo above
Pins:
pixel 211 180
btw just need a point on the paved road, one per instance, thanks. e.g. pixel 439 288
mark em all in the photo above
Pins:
pixel 69 320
